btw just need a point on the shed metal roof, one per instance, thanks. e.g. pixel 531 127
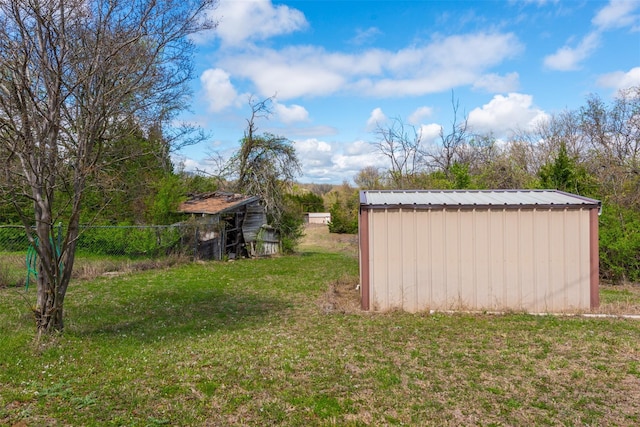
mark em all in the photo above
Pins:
pixel 430 199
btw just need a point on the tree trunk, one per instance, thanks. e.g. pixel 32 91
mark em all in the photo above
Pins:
pixel 55 265
pixel 50 295
pixel 49 307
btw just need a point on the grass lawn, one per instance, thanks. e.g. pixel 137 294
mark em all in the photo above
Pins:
pixel 12 268
pixel 276 342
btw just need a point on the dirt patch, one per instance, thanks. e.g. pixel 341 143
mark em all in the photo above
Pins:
pixel 342 296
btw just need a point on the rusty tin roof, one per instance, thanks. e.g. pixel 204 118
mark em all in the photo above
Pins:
pixel 215 203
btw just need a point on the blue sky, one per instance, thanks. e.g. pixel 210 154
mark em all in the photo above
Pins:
pixel 337 68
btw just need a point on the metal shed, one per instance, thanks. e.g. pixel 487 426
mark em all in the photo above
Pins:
pixel 496 250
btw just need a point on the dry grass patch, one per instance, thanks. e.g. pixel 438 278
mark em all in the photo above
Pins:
pixel 620 299
pixel 317 237
pixel 92 268
pixel 12 269
pixel 342 296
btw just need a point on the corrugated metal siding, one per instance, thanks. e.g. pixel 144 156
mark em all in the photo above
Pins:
pixel 536 260
pixel 267 242
pixel 255 218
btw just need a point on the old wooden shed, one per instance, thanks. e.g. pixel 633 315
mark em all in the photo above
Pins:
pixel 496 250
pixel 230 225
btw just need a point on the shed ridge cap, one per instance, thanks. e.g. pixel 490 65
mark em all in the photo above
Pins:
pixel 468 190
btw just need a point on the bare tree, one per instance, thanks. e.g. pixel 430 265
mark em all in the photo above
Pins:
pixel 452 144
pixel 614 136
pixel 369 178
pixel 72 74
pixel 400 143
pixel 321 189
pixel 479 151
pixel 614 130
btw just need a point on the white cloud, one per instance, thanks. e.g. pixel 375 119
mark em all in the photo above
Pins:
pixel 620 80
pixel 567 58
pixel 358 148
pixel 617 14
pixel 313 145
pixel 314 153
pixel 444 63
pixel 249 20
pixel 365 36
pixel 335 162
pixel 495 83
pixel 376 117
pixel 469 51
pixel 350 165
pixel 291 73
pixel 218 89
pixel 440 65
pixel 192 165
pixel 419 115
pixel 430 133
pixel 504 114
pixel 291 114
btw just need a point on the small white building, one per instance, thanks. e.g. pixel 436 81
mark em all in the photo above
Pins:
pixel 496 250
pixel 318 218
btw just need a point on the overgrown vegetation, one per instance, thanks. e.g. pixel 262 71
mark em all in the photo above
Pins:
pixel 150 242
pixel 306 201
pixel 270 342
pixel 266 165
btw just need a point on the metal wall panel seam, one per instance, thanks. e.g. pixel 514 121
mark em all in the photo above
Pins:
pixel 460 251
pixel 365 258
pixel 565 260
pixel 594 260
pixel 473 257
pixel 536 245
pixel 489 289
pixel 418 257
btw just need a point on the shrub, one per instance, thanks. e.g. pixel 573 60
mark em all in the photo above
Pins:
pixel 291 230
pixel 344 219
pixel 129 241
pixel 619 244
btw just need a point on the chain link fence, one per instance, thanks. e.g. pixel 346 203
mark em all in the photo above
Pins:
pixel 114 243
